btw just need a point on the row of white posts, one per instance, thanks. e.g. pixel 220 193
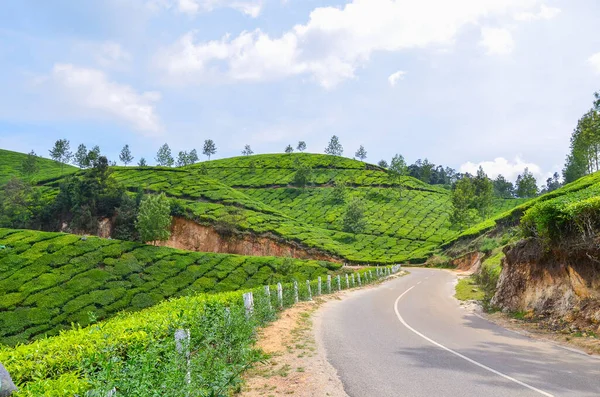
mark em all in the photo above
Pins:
pixel 182 336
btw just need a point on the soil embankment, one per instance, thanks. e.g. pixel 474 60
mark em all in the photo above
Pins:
pixel 188 235
pixel 560 287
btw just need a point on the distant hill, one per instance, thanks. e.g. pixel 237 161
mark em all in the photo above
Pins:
pixel 10 166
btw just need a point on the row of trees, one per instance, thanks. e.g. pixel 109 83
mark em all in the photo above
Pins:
pixel 584 155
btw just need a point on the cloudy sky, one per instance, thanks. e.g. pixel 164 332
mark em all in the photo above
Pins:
pixel 460 82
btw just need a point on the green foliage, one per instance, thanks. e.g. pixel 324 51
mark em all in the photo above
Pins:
pixel 584 157
pixel 247 151
pixel 61 152
pixel 125 155
pixel 484 188
pixel 340 192
pixel 383 164
pixel 12 164
pixel 301 146
pixel 209 148
pixel 487 245
pixel 154 218
pixel 354 218
pixel 503 188
pixel 302 175
pixel 467 289
pixel 142 162
pixel 334 148
pixel 164 157
pixel 289 149
pixel 526 185
pixel 30 165
pixel 463 202
pixel 50 280
pixel 361 153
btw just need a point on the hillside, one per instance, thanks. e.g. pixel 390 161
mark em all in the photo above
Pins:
pixel 10 166
pixel 50 280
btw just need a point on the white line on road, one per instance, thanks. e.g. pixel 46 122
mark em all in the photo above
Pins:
pixel 460 355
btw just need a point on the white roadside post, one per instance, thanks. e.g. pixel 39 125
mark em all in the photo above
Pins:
pixel 359 282
pixel 347 281
pixel 249 303
pixel 371 275
pixel 295 291
pixel 309 290
pixel 339 282
pixel 280 295
pixel 353 282
pixel 319 282
pixel 268 294
pixel 329 284
pixel 182 345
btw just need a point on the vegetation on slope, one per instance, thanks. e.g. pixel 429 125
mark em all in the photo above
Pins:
pixel 50 280
pixel 11 166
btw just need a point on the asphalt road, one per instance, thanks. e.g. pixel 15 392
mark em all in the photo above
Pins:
pixel 410 337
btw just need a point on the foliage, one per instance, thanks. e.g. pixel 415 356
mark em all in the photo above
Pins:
pixel 81 156
pixel 247 151
pixel 383 164
pixel 503 188
pixel 483 187
pixel 153 221
pixel 584 157
pixel 125 156
pixel 301 146
pixel 61 152
pixel 463 203
pixel 142 162
pixel 164 157
pixel 209 148
pixel 19 204
pixel 289 149
pixel 467 289
pixel 302 175
pixel 340 192
pixel 552 183
pixel 526 186
pixel 354 218
pixel 334 148
pixel 361 153
pixel 30 165
pixel 50 280
pixel 487 245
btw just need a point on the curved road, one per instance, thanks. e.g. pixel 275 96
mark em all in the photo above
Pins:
pixel 410 337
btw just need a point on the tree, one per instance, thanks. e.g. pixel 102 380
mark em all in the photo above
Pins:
pixel 383 164
pixel 398 166
pixel 301 146
pixel 92 156
pixel 209 148
pixel 339 192
pixel 154 218
pixel 553 183
pixel 81 156
pixel 484 192
pixel 361 153
pixel 526 185
pixel 503 188
pixel 125 155
pixel 182 159
pixel 247 151
pixel 302 175
pixel 29 165
pixel 163 156
pixel 193 156
pixel 61 152
pixel 354 218
pixel 463 197
pixel 289 149
pixel 334 147
pixel 142 163
pixel 20 204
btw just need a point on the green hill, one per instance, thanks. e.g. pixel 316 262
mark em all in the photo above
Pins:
pixel 50 280
pixel 10 166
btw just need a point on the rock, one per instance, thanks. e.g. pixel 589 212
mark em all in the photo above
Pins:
pixel 7 387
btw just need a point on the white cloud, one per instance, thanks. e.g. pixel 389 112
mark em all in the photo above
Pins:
pixel 396 77
pixel 193 7
pixel 336 40
pixel 497 41
pixel 91 89
pixel 509 169
pixel 594 60
pixel 545 12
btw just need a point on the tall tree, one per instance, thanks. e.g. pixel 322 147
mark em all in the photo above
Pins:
pixel 247 151
pixel 80 158
pixel 334 147
pixel 164 157
pixel 30 165
pixel 552 183
pixel 193 156
pixel 361 153
pixel 398 166
pixel 125 155
pixel 289 149
pixel 61 152
pixel 154 218
pixel 92 157
pixel 484 192
pixel 209 148
pixel 302 175
pixel 142 162
pixel 463 198
pixel 182 159
pixel 526 185
pixel 503 188
pixel 354 218
pixel 301 146
pixel 383 164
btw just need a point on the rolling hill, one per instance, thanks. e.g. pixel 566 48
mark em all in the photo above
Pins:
pixel 10 166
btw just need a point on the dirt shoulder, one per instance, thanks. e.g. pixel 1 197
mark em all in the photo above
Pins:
pixel 298 364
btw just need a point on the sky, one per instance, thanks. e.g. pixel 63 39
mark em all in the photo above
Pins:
pixel 463 83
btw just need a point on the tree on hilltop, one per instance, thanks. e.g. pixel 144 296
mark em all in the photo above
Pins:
pixel 247 151
pixel 29 165
pixel 154 218
pixel 503 188
pixel 464 212
pixel 289 149
pixel 61 152
pixel 80 158
pixel 383 164
pixel 361 153
pixel 192 157
pixel 334 147
pixel 526 185
pixel 209 148
pixel 301 146
pixel 125 155
pixel 484 192
pixel 354 218
pixel 142 163
pixel 164 157
pixel 182 159
pixel 396 171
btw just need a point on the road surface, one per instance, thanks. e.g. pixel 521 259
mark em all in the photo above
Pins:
pixel 410 337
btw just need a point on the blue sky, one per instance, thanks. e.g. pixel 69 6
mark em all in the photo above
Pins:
pixel 462 83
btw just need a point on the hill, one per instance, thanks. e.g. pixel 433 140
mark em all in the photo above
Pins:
pixel 50 280
pixel 10 166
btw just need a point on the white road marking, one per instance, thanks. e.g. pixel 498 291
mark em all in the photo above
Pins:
pixel 419 282
pixel 460 355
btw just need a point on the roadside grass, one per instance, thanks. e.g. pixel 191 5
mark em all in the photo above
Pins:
pixel 468 290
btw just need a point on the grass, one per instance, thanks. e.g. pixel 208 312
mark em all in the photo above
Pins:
pixel 10 166
pixel 467 289
pixel 50 280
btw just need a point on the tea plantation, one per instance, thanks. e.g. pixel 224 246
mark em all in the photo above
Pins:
pixel 10 166
pixel 50 280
